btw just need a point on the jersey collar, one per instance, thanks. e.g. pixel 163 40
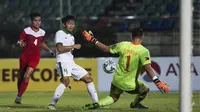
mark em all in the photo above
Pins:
pixel 34 29
pixel 67 32
pixel 135 44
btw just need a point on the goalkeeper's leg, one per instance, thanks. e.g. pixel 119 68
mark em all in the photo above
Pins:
pixel 141 91
pixel 113 97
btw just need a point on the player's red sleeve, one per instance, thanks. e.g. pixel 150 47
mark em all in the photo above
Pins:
pixel 22 35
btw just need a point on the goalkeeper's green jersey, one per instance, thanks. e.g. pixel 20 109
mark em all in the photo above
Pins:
pixel 131 59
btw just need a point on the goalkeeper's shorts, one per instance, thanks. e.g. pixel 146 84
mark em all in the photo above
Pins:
pixel 140 88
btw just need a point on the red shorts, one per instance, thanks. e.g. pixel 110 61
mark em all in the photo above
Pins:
pixel 28 61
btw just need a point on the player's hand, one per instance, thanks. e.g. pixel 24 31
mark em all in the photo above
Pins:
pixel 89 37
pixel 52 53
pixel 77 46
pixel 21 43
pixel 162 86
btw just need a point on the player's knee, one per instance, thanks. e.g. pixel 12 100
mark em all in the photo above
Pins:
pixel 66 81
pixel 27 75
pixel 115 98
pixel 145 91
pixel 28 72
pixel 87 78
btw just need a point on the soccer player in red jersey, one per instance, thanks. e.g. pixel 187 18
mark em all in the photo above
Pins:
pixel 31 40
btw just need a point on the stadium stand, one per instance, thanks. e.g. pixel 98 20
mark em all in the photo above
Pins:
pixel 106 18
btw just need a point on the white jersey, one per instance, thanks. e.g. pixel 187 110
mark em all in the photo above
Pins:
pixel 66 39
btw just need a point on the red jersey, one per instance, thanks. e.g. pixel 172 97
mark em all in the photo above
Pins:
pixel 33 41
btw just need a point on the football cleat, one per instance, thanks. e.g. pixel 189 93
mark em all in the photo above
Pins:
pixel 51 107
pixel 18 100
pixel 138 106
pixel 91 106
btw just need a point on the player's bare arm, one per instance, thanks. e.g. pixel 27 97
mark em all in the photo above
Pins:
pixel 102 46
pixel 149 70
pixel 90 38
pixel 63 49
pixel 161 86
pixel 46 48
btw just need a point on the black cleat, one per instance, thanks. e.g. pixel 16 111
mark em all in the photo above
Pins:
pixel 138 106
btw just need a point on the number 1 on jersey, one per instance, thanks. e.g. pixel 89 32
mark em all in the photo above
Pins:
pixel 35 42
pixel 128 58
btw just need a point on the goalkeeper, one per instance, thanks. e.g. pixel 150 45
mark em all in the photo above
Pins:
pixel 132 58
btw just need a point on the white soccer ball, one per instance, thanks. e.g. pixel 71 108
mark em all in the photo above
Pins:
pixel 109 66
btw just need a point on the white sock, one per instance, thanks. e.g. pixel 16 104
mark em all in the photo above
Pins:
pixel 58 93
pixel 92 92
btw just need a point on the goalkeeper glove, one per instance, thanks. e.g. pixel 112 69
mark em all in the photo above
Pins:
pixel 89 37
pixel 161 86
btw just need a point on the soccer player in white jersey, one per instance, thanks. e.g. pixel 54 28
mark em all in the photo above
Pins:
pixel 65 64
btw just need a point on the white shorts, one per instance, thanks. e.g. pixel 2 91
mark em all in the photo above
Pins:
pixel 70 69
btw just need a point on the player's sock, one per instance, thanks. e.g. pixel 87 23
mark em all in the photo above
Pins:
pixel 106 101
pixel 58 93
pixel 92 92
pixel 18 84
pixel 139 98
pixel 19 81
pixel 23 86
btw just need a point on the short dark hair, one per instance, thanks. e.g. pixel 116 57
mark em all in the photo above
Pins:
pixel 137 33
pixel 68 17
pixel 33 15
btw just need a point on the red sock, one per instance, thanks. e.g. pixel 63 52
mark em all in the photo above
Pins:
pixel 23 87
pixel 18 84
pixel 20 79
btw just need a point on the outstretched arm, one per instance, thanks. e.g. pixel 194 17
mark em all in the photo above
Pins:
pixel 102 46
pixel 90 38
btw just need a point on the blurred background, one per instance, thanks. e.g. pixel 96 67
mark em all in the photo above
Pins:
pixel 110 20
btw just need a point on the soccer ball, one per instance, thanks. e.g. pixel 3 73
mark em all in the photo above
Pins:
pixel 109 66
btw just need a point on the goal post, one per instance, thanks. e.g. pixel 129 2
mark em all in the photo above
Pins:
pixel 185 55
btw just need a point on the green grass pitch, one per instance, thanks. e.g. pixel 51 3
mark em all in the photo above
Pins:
pixel 72 102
